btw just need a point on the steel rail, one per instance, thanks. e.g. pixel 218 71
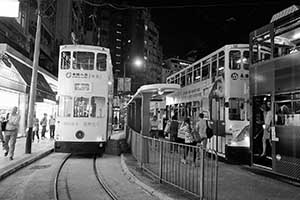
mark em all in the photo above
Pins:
pixel 57 176
pixel 102 183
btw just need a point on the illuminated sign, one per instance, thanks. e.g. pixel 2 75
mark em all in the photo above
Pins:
pixel 84 87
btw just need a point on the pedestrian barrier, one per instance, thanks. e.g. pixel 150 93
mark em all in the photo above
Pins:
pixel 190 168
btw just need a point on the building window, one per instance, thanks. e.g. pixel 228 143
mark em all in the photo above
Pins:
pixel 117 47
pixel 119 32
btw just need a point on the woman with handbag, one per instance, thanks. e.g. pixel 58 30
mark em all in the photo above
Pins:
pixel 11 132
pixel 188 139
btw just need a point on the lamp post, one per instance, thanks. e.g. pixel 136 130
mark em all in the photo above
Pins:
pixel 32 94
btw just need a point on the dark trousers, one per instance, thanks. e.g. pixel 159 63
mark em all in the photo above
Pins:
pixel 43 131
pixel 52 130
pixel 193 150
pixel 35 133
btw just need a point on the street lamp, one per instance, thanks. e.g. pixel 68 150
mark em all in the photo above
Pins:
pixel 137 62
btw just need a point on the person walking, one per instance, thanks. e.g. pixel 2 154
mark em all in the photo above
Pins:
pixel 35 128
pixel 171 129
pixel 44 125
pixel 201 126
pixel 11 132
pixel 52 126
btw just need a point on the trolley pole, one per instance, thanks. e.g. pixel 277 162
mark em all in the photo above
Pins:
pixel 32 94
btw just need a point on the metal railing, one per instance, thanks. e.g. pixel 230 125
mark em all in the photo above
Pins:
pixel 190 168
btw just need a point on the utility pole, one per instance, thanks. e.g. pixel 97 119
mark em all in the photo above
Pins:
pixel 32 94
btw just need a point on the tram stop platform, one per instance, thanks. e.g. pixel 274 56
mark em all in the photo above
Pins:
pixel 38 150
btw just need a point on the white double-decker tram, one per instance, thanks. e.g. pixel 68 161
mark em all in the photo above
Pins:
pixel 217 85
pixel 85 92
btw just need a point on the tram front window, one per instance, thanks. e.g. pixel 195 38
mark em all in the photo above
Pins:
pixel 236 109
pixel 235 60
pixel 81 108
pixel 83 60
pixel 65 60
pixel 101 62
pixel 97 106
pixel 65 106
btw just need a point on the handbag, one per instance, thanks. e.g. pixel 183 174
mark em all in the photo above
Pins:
pixel 3 125
pixel 196 136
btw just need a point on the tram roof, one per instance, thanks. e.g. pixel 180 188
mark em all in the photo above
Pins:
pixel 161 89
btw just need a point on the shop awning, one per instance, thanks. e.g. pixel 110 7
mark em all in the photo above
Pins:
pixel 44 91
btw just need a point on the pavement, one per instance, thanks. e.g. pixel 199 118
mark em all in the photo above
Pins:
pixel 21 159
pixel 235 181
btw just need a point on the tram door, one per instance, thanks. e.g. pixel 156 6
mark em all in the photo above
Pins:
pixel 286 138
pixel 260 103
pixel 218 123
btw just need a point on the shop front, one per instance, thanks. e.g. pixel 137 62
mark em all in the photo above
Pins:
pixel 15 81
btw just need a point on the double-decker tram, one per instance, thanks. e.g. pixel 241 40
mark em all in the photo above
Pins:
pixel 275 86
pixel 85 92
pixel 217 85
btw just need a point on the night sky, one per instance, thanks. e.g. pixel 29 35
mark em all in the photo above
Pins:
pixel 210 24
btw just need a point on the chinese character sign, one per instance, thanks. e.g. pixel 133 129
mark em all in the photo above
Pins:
pixel 121 84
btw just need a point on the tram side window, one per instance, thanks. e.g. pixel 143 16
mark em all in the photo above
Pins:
pixel 65 60
pixel 235 60
pixel 182 79
pixel 83 60
pixel 65 106
pixel 98 107
pixel 81 107
pixel 236 109
pixel 205 72
pixel 214 68
pixel 246 60
pixel 288 113
pixel 101 62
pixel 189 76
pixel 197 73
pixel 221 66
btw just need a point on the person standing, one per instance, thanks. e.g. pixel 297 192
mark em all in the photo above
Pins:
pixel 35 128
pixel 267 129
pixel 201 126
pixel 11 132
pixel 154 127
pixel 52 126
pixel 188 139
pixel 171 129
pixel 44 125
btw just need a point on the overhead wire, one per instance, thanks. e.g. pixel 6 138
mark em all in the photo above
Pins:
pixel 203 5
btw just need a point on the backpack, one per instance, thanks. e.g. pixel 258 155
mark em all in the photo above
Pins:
pixel 209 131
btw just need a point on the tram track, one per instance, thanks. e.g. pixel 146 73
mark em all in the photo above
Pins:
pixel 98 176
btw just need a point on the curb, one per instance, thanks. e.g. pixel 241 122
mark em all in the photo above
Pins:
pixel 25 163
pixel 147 188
